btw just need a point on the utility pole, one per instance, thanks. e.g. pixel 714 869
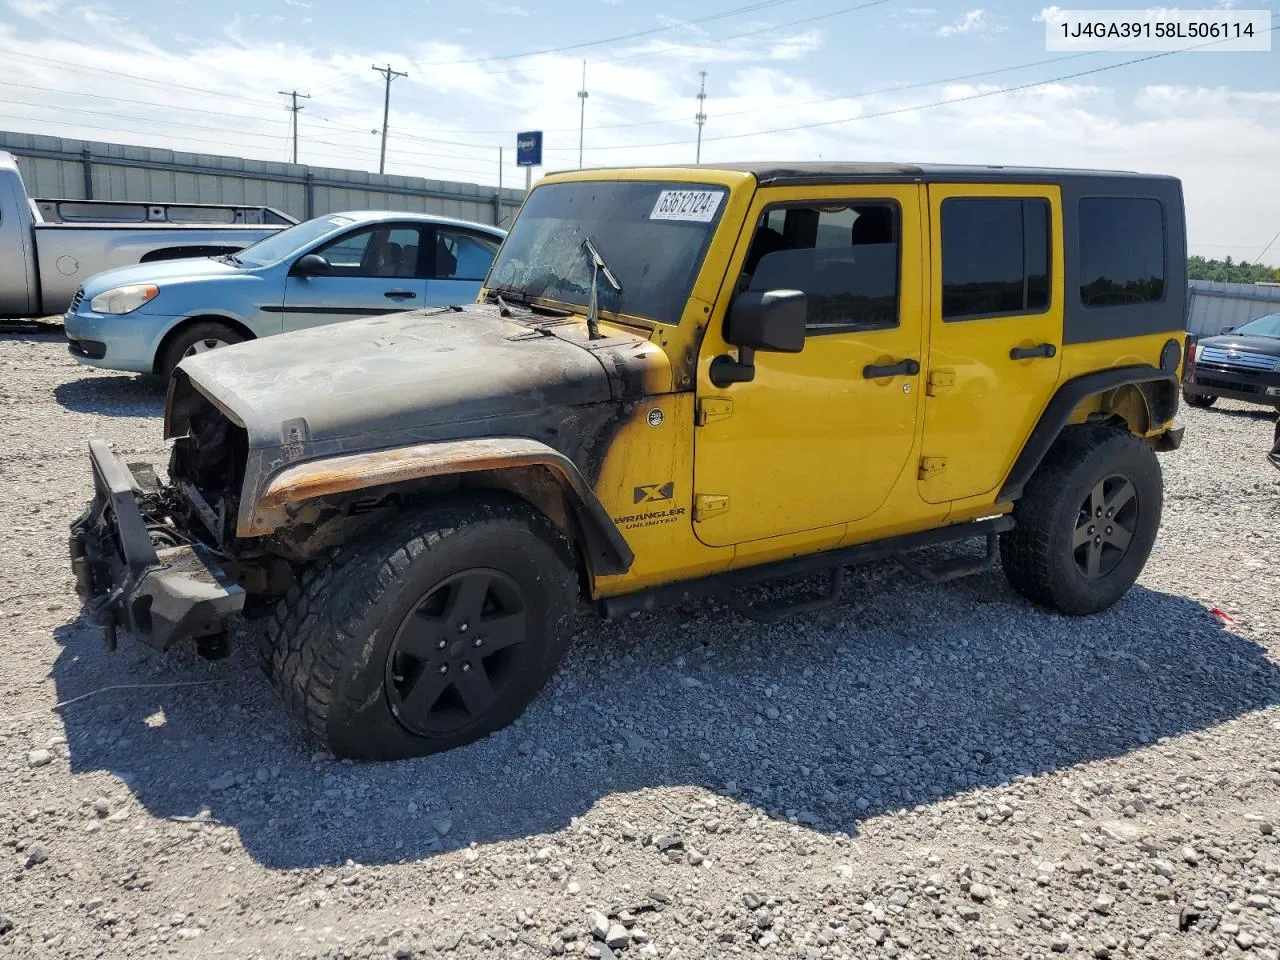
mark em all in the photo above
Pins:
pixel 700 117
pixel 294 110
pixel 582 112
pixel 386 110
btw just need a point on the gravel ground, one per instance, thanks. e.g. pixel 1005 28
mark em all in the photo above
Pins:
pixel 922 771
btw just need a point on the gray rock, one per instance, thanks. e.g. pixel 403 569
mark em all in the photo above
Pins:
pixel 598 924
pixel 39 758
pixel 223 781
pixel 616 936
pixel 37 853
pixel 442 824
pixel 980 892
pixel 447 941
pixel 668 841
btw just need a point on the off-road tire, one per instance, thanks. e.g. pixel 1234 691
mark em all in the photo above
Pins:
pixel 1201 401
pixel 205 330
pixel 1038 556
pixel 327 644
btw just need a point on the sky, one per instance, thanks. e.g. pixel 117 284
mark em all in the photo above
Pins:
pixel 885 80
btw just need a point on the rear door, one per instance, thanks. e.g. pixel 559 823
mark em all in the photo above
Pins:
pixel 459 261
pixel 372 270
pixel 996 331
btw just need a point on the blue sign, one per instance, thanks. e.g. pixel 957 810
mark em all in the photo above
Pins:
pixel 529 149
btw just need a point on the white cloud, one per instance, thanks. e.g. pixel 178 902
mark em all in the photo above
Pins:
pixel 1048 15
pixel 640 111
pixel 298 3
pixel 975 21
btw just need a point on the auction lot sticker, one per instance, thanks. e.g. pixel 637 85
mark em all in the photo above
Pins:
pixel 692 206
pixel 1210 31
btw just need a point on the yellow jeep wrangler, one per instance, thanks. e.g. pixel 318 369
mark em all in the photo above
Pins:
pixel 676 382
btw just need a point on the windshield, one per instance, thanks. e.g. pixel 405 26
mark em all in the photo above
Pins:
pixel 652 235
pixel 280 245
pixel 1268 326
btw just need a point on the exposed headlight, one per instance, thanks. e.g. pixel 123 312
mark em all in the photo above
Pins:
pixel 124 299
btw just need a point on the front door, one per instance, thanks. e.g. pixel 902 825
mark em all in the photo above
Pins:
pixel 996 331
pixel 372 270
pixel 822 436
pixel 461 262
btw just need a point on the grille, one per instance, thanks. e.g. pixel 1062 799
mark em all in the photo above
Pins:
pixel 1235 358
pixel 1228 385
pixel 75 301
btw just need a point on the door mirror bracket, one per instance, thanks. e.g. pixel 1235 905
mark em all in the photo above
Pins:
pixel 770 320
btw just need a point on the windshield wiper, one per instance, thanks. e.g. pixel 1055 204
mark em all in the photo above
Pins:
pixel 597 265
pixel 230 258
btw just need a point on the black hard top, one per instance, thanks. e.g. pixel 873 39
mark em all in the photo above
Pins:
pixel 836 173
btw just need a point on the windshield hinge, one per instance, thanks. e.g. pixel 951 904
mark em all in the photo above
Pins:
pixel 940 380
pixel 709 505
pixel 932 467
pixel 713 408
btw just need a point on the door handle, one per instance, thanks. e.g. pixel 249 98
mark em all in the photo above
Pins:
pixel 400 294
pixel 1045 350
pixel 907 368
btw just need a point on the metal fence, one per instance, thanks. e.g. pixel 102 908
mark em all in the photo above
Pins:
pixel 88 170
pixel 1215 304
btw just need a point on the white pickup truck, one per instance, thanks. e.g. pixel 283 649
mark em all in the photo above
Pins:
pixel 49 247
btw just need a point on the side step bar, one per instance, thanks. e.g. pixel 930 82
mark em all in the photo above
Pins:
pixel 723 584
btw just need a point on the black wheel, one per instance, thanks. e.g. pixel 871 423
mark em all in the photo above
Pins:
pixel 1086 522
pixel 197 338
pixel 433 634
pixel 1200 400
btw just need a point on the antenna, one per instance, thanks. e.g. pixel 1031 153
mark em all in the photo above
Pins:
pixel 582 113
pixel 700 117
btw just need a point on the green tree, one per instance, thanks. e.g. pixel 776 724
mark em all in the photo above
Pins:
pixel 1198 268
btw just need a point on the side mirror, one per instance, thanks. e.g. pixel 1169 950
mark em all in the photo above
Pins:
pixel 770 320
pixel 310 265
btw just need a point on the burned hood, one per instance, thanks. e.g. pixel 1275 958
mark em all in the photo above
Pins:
pixel 409 377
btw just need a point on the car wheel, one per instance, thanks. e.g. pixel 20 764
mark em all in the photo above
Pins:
pixel 428 636
pixel 1200 400
pixel 1087 521
pixel 197 338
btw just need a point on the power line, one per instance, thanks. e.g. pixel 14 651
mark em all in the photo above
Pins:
pixel 386 110
pixel 294 111
pixel 736 11
pixel 920 106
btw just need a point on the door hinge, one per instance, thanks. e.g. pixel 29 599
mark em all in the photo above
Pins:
pixel 940 380
pixel 709 505
pixel 714 408
pixel 932 467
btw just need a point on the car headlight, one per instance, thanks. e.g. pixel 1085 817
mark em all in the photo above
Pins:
pixel 124 299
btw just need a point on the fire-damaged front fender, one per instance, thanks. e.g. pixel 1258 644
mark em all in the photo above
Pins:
pixel 495 457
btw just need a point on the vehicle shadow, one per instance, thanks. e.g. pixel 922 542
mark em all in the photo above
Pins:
pixel 119 395
pixel 902 695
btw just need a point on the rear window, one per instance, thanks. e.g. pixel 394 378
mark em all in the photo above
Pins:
pixel 1121 251
pixel 995 256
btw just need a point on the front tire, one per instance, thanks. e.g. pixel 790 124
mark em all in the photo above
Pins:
pixel 430 635
pixel 197 338
pixel 1201 401
pixel 1086 522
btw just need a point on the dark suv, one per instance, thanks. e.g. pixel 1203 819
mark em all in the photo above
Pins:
pixel 1242 364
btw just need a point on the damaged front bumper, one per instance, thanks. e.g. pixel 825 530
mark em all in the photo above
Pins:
pixel 161 594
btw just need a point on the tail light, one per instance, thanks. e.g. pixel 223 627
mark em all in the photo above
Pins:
pixel 1190 352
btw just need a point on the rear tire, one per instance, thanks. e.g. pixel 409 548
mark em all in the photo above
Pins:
pixel 433 633
pixel 1087 521
pixel 197 338
pixel 1198 400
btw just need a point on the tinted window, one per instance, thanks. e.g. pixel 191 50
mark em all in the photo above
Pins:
pixel 1121 251
pixel 843 256
pixel 463 256
pixel 995 257
pixel 386 251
